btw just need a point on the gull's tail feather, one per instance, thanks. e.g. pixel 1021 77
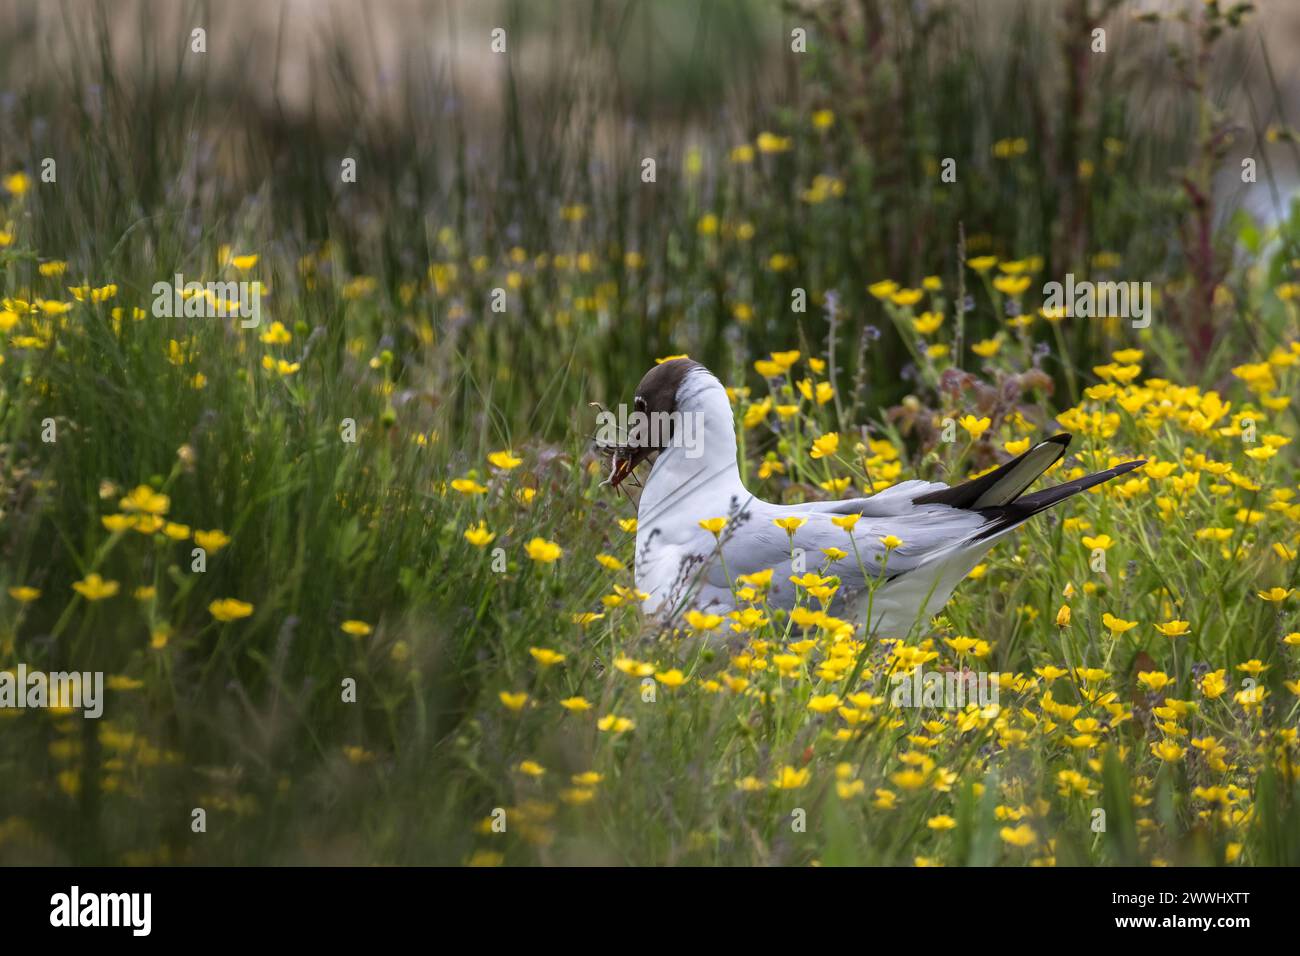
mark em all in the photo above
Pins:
pixel 1006 517
pixel 1004 484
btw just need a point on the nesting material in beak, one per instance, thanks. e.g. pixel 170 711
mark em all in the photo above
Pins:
pixel 625 461
pixel 622 468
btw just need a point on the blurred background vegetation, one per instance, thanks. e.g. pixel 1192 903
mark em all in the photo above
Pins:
pixel 1123 164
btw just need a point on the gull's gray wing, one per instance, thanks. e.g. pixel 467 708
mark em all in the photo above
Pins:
pixel 925 530
pixel 943 529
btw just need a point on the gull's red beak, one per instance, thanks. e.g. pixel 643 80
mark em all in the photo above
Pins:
pixel 625 466
pixel 622 468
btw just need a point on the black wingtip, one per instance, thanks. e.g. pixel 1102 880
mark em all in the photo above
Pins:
pixel 1021 510
pixel 967 495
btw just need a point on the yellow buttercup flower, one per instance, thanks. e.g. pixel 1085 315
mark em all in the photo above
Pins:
pixel 211 541
pixel 821 392
pixel 545 656
pixel 1011 285
pixel 1250 698
pixel 148 524
pixel 230 609
pixel 115 524
pixel 277 334
pixel 791 779
pixel 702 622
pixel 1117 625
pixel 543 551
pixel 785 360
pixel 145 500
pixel 975 427
pixel 824 703
pixel 94 588
pixel 479 535
pixel 927 323
pixel 355 628
pixel 772 143
pixel 1154 680
pixel 1168 750
pixel 883 289
pixel 1020 836
pixel 826 445
pixel 280 366
pixel 1214 684
pixel 16 183
pixel 757 413
pixel 513 701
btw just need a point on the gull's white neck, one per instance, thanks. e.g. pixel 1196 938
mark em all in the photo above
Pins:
pixel 685 476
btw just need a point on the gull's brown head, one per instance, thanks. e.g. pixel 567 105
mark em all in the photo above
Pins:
pixel 655 399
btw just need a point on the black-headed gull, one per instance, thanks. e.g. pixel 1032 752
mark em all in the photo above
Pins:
pixel 926 535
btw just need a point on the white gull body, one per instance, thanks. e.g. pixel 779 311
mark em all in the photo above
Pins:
pixel 677 562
